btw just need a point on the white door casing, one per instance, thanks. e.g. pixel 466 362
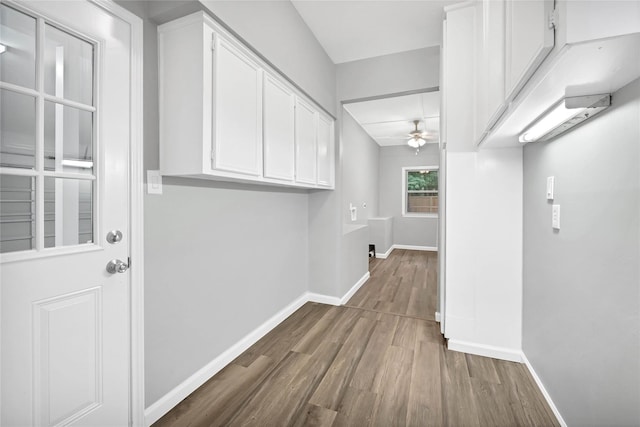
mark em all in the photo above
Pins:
pixel 71 342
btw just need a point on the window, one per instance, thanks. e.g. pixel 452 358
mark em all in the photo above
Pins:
pixel 47 135
pixel 420 191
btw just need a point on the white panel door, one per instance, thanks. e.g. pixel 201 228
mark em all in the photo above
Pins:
pixel 64 183
pixel 237 110
pixel 325 151
pixel 529 39
pixel 306 151
pixel 278 130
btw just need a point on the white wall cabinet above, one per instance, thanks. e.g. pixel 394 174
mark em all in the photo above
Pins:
pixel 325 151
pixel 237 111
pixel 306 147
pixel 279 130
pixel 227 115
pixel 578 48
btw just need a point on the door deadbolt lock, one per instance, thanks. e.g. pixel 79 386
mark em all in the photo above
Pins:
pixel 116 266
pixel 114 236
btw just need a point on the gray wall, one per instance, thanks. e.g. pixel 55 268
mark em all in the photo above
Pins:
pixel 381 234
pixel 220 259
pixel 406 230
pixel 360 163
pixel 581 322
pixel 355 258
pixel 383 75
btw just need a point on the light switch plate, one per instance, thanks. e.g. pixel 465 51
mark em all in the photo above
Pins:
pixel 555 217
pixel 154 182
pixel 550 182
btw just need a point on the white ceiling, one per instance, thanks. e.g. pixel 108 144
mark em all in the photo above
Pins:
pixel 357 29
pixel 388 121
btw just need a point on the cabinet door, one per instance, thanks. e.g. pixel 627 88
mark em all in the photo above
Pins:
pixel 459 97
pixel 529 39
pixel 305 143
pixel 494 59
pixel 325 151
pixel 237 115
pixel 278 130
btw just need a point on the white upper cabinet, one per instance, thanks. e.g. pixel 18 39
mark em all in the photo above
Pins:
pixel 579 48
pixel 278 130
pixel 529 39
pixel 225 114
pixel 306 148
pixel 325 151
pixel 491 86
pixel 237 112
pixel 458 78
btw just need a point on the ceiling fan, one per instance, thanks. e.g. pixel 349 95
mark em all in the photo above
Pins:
pixel 417 138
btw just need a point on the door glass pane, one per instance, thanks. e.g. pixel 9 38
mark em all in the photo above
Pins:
pixel 17 130
pixel 68 212
pixel 68 139
pixel 17 213
pixel 18 47
pixel 68 66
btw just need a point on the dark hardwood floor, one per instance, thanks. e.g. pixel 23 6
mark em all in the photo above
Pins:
pixel 379 361
pixel 404 284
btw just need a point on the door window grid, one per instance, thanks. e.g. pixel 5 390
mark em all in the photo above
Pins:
pixel 66 171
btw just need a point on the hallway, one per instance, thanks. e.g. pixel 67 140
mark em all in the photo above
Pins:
pixel 374 361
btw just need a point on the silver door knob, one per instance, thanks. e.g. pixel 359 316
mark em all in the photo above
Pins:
pixel 114 236
pixel 116 266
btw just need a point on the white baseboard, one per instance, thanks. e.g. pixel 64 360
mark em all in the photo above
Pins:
pixel 322 299
pixel 355 288
pixel 407 247
pixel 384 255
pixel 546 395
pixel 416 248
pixel 438 316
pixel 163 405
pixel 485 350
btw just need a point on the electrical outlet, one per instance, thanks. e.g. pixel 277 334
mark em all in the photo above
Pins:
pixel 555 217
pixel 154 182
pixel 550 183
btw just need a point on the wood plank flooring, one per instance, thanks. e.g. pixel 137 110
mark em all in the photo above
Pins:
pixel 404 284
pixel 361 366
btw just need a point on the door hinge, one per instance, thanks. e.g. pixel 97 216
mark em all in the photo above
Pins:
pixel 553 19
pixel 129 261
pixel 213 154
pixel 213 44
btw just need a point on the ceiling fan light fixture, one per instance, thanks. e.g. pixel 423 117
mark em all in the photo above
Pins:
pixel 415 142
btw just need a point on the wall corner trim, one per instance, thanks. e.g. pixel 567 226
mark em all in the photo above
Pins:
pixel 163 405
pixel 416 248
pixel 386 254
pixel 502 353
pixel 543 390
pixel 355 288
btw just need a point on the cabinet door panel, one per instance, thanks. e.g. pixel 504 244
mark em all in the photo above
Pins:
pixel 278 130
pixel 325 152
pixel 494 31
pixel 305 143
pixel 459 94
pixel 529 40
pixel 237 112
